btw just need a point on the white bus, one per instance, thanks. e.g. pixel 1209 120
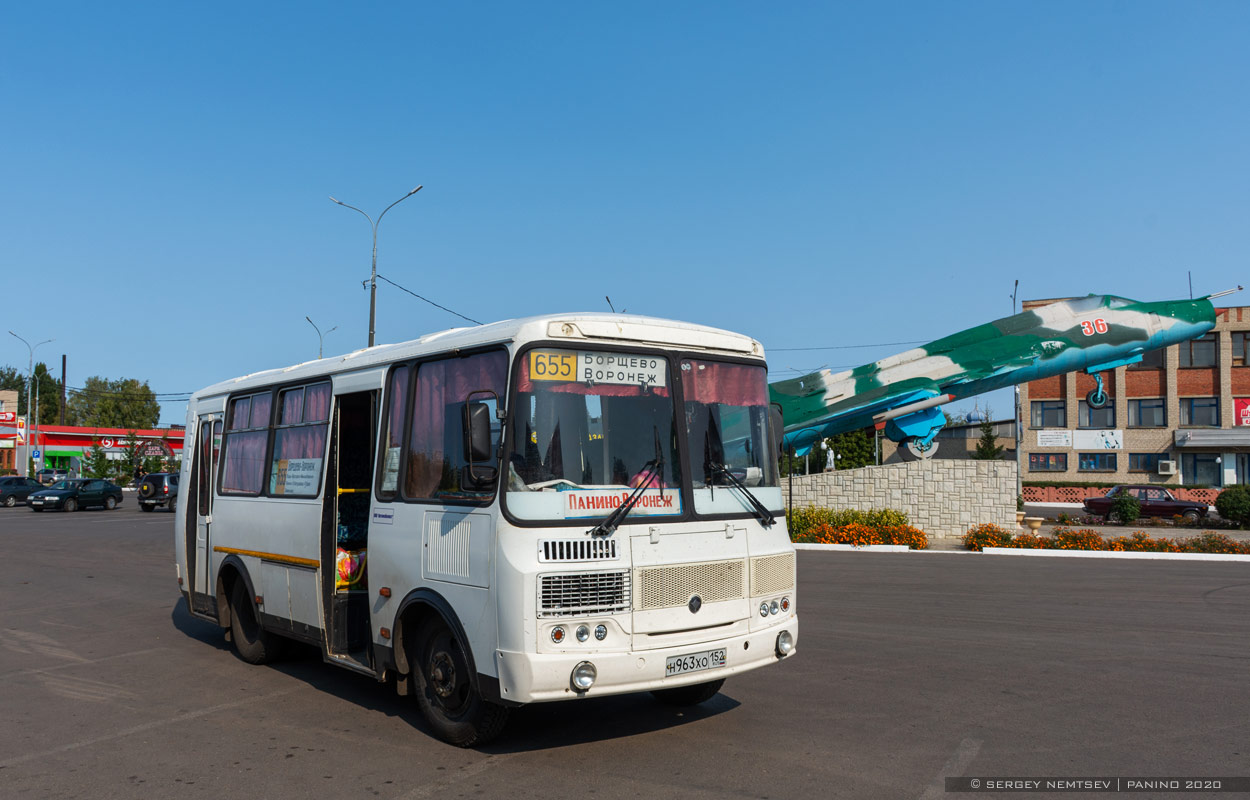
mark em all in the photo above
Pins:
pixel 532 510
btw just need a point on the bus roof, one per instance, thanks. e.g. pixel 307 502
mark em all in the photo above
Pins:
pixel 580 329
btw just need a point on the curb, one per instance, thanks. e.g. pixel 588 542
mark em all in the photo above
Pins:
pixel 871 548
pixel 1016 551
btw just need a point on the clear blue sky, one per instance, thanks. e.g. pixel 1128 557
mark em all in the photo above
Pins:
pixel 812 175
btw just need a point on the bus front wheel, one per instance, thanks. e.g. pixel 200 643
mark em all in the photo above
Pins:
pixel 447 694
pixel 254 644
pixel 689 695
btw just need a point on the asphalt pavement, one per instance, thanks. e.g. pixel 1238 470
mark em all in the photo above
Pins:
pixel 910 668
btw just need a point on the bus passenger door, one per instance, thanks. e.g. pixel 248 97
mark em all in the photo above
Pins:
pixel 208 446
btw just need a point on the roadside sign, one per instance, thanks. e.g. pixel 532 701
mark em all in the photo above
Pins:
pixel 35 454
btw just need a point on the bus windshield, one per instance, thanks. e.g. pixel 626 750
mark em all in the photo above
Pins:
pixel 588 428
pixel 726 410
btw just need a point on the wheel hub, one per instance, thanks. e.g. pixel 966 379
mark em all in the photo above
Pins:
pixel 443 674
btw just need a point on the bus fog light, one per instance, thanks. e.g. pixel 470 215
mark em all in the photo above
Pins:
pixel 557 634
pixel 785 644
pixel 774 608
pixel 583 676
pixel 764 609
pixel 601 632
pixel 583 633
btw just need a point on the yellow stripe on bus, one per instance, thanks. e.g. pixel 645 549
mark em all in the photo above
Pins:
pixel 299 562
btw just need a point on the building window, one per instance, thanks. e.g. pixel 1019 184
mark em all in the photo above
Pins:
pixel 1200 412
pixel 1096 462
pixel 1145 462
pixel 1198 352
pixel 1049 414
pixel 1096 417
pixel 1151 359
pixel 1148 412
pixel 1241 344
pixel 1201 468
pixel 1048 462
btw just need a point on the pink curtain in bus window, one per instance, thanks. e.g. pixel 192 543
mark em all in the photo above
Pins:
pixel 728 384
pixel 399 401
pixel 317 402
pixel 245 462
pixel 261 403
pixel 303 442
pixel 239 411
pixel 441 384
pixel 292 407
pixel 524 384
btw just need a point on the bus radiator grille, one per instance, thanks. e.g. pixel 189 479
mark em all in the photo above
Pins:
pixel 772 574
pixel 670 587
pixel 572 594
pixel 577 550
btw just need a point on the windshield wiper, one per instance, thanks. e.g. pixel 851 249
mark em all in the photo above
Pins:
pixel 650 470
pixel 761 511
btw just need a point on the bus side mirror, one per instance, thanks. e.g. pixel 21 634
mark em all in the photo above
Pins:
pixel 777 425
pixel 476 432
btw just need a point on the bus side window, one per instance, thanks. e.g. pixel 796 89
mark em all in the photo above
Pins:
pixel 435 457
pixel 393 433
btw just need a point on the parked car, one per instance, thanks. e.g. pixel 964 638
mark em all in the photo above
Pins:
pixel 14 490
pixel 76 493
pixel 158 489
pixel 49 476
pixel 1154 501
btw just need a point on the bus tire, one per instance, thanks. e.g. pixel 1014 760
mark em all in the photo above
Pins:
pixel 253 643
pixel 446 692
pixel 689 695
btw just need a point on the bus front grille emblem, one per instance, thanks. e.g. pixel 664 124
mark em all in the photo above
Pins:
pixel 695 604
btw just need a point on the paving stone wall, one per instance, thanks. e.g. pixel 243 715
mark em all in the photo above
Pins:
pixel 943 497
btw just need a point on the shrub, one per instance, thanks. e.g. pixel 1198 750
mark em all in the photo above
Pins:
pixel 1031 541
pixel 802 520
pixel 979 537
pixel 1084 539
pixel 1212 542
pixel 860 535
pixel 1063 519
pixel 1139 542
pixel 1126 507
pixel 1233 504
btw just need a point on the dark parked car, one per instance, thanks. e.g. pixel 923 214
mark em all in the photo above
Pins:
pixel 158 489
pixel 49 476
pixel 14 490
pixel 76 493
pixel 1154 501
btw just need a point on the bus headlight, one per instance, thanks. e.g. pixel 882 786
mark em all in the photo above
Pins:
pixel 774 607
pixel 583 676
pixel 601 632
pixel 785 644
pixel 764 609
pixel 583 633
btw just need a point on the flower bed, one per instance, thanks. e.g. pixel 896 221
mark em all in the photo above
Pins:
pixel 815 525
pixel 982 536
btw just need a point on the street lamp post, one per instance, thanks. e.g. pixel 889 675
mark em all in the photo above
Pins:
pixel 30 374
pixel 321 337
pixel 373 277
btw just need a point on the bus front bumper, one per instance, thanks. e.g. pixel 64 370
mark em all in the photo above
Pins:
pixel 541 678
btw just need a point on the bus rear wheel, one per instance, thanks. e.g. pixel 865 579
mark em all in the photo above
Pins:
pixel 447 694
pixel 254 644
pixel 689 695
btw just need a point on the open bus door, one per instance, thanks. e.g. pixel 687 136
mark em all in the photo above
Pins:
pixel 208 446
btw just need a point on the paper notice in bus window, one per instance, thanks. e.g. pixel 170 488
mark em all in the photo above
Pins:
pixel 390 470
pixel 295 476
pixel 591 367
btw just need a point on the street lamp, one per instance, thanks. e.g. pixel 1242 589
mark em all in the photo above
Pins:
pixel 30 372
pixel 373 278
pixel 321 337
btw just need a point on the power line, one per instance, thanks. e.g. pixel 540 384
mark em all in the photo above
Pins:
pixel 841 346
pixel 428 300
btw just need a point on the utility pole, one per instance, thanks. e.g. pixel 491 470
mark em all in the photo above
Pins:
pixel 373 278
pixel 61 418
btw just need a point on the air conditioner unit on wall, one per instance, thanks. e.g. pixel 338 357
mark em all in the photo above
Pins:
pixel 1167 467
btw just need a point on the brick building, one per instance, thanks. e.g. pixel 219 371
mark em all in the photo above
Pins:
pixel 1182 415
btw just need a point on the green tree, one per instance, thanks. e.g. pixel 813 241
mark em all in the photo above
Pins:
pixel 988 448
pixel 854 449
pixel 113 403
pixel 1233 504
pixel 96 462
